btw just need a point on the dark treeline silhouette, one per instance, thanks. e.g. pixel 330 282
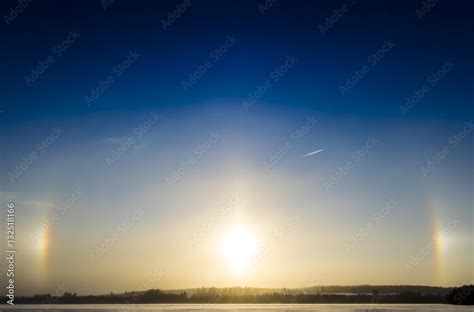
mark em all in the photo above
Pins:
pixel 388 289
pixel 461 295
pixel 326 294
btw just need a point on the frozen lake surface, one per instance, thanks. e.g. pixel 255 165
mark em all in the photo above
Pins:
pixel 238 307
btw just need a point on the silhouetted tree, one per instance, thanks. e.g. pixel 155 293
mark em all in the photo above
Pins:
pixel 461 295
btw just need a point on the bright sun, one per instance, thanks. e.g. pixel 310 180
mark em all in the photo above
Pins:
pixel 239 247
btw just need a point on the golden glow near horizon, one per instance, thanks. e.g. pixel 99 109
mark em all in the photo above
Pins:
pixel 239 247
pixel 249 241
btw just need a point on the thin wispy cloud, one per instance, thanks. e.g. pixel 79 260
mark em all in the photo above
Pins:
pixel 312 153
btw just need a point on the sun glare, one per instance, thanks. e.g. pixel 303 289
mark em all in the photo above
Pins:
pixel 239 247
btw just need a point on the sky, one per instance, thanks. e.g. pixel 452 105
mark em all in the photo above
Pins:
pixel 163 144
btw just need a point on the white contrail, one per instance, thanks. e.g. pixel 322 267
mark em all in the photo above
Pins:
pixel 312 153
